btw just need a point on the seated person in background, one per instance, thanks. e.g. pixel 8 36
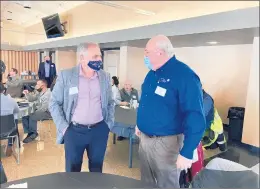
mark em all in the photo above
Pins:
pixel 13 79
pixel 42 96
pixel 214 135
pixel 8 107
pixel 2 70
pixel 128 93
pixel 14 84
pixel 115 90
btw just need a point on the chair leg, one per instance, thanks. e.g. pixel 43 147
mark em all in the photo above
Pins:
pixel 17 149
pixel 114 138
pixel 130 158
pixel 18 136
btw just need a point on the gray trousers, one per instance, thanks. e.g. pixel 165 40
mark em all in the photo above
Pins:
pixel 30 122
pixel 158 158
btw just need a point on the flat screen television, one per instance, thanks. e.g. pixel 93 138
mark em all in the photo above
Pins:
pixel 52 26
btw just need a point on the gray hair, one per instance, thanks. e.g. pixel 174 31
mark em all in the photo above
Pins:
pixel 166 46
pixel 83 49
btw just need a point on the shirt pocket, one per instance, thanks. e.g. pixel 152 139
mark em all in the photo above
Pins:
pixel 170 96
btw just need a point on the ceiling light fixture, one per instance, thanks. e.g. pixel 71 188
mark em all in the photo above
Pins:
pixel 140 11
pixel 9 19
pixel 25 4
pixel 26 7
pixel 212 42
pixel 9 11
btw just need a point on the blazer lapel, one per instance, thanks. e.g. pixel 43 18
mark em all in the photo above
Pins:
pixel 74 82
pixel 43 69
pixel 50 70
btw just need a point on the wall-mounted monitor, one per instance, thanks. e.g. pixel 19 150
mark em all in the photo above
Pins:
pixel 53 26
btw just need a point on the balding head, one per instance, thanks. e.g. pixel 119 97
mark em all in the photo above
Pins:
pixel 159 50
pixel 88 52
pixel 128 85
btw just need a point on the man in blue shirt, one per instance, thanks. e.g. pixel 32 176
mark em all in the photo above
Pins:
pixel 171 107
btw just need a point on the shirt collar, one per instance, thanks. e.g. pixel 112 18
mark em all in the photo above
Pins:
pixel 166 66
pixel 82 75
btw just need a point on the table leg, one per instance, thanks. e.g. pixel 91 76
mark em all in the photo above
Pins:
pixel 130 158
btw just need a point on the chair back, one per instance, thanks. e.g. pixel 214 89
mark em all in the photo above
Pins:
pixel 7 125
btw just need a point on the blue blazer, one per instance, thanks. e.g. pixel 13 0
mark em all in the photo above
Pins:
pixel 41 72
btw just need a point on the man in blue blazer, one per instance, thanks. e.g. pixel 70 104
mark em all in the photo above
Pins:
pixel 47 70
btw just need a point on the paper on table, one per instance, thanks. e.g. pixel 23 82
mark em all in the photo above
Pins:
pixel 125 107
pixel 23 185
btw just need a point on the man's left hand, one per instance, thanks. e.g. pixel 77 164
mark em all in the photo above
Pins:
pixel 183 163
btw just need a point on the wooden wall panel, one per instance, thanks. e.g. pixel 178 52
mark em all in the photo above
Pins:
pixel 21 60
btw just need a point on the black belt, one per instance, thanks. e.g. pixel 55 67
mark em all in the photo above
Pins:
pixel 89 126
pixel 153 136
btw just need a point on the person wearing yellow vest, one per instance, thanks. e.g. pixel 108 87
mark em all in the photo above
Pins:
pixel 214 134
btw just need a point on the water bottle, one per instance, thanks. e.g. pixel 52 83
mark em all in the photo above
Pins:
pixel 131 103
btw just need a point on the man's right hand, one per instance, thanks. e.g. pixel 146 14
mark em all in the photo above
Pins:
pixel 124 103
pixel 137 131
pixel 25 92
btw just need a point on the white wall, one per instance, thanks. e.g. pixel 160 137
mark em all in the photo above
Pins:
pixel 12 34
pixel 251 122
pixel 111 62
pixel 224 71
pixel 136 70
pixel 65 60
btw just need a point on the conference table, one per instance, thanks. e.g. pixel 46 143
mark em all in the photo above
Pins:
pixel 77 180
pixel 25 110
pixel 125 122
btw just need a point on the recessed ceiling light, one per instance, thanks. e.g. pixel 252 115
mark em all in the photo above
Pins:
pixel 212 42
pixel 9 19
pixel 10 11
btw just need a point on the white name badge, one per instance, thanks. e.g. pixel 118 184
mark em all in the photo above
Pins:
pixel 73 90
pixel 160 91
pixel 134 96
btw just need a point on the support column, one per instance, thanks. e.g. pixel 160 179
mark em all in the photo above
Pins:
pixel 251 121
pixel 123 64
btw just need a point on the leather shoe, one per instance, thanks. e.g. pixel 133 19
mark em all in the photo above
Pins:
pixel 30 137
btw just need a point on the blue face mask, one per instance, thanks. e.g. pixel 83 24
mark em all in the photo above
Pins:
pixel 147 63
pixel 95 65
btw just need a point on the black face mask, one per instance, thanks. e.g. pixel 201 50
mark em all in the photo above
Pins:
pixel 39 90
